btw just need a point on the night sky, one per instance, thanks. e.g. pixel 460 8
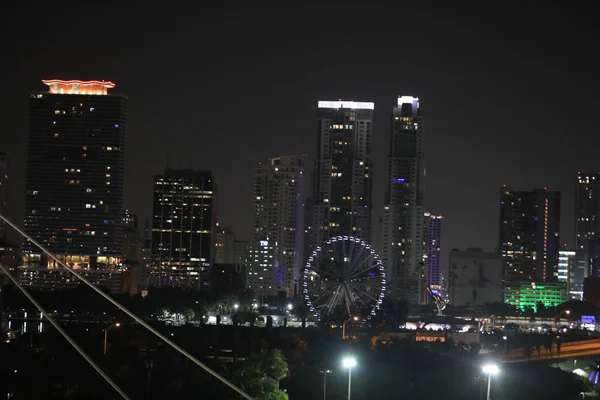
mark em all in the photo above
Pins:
pixel 510 96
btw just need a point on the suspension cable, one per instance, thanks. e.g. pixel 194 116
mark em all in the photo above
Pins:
pixel 131 314
pixel 64 334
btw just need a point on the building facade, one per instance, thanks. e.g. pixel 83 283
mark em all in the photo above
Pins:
pixel 278 221
pixel 433 243
pixel 529 238
pixel 182 228
pixel 74 187
pixel 572 271
pixel 474 277
pixel 587 208
pixel 341 204
pixel 403 206
pixel 551 294
pixel 3 192
pixel 224 252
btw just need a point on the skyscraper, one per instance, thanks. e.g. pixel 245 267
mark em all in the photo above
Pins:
pixel 3 191
pixel 74 188
pixel 587 209
pixel 276 249
pixel 403 210
pixel 433 241
pixel 182 228
pixel 341 202
pixel 529 238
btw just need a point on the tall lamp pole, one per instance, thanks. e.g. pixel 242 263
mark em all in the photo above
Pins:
pixel 349 363
pixel 117 324
pixel 490 369
pixel 325 372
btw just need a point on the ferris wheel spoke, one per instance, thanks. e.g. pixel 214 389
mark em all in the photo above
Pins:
pixel 349 300
pixel 363 271
pixel 366 278
pixel 360 264
pixel 363 292
pixel 358 257
pixel 323 294
pixel 374 287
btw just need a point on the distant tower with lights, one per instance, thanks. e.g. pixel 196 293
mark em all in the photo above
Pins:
pixel 275 257
pixel 587 209
pixel 529 238
pixel 74 187
pixel 403 215
pixel 183 226
pixel 342 192
pixel 433 242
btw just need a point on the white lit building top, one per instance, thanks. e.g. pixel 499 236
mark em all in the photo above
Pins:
pixel 356 105
pixel 408 100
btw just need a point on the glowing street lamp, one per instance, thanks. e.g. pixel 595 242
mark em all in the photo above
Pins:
pixel 354 318
pixel 349 362
pixel 236 306
pixel 117 324
pixel 490 369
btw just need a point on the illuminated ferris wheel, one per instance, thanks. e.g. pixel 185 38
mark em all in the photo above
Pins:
pixel 343 276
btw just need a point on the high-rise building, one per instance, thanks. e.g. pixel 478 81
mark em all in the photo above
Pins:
pixel 433 243
pixel 529 238
pixel 182 228
pixel 572 271
pixel 341 202
pixel 3 192
pixel 403 210
pixel 74 188
pixel 224 252
pixel 587 209
pixel 278 221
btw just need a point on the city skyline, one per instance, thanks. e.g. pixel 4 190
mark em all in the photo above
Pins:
pixel 458 152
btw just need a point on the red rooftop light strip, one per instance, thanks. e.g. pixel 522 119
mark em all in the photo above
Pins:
pixel 59 86
pixel 107 84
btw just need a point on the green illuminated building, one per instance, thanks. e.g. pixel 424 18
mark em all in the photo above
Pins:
pixel 549 293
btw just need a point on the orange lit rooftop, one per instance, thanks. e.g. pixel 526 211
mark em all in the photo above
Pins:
pixel 59 86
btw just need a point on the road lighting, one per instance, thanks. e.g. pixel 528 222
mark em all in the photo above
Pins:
pixel 236 306
pixel 117 324
pixel 355 318
pixel 325 372
pixel 349 363
pixel 490 369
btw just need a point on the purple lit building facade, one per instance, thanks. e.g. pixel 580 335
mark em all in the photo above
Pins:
pixel 433 241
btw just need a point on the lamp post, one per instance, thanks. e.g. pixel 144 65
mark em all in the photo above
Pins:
pixel 349 363
pixel 325 372
pixel 117 324
pixel 490 369
pixel 354 318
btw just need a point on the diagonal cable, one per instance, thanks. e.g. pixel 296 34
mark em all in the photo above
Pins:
pixel 131 314
pixel 64 334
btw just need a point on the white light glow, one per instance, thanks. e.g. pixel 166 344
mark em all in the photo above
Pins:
pixel 491 369
pixel 408 100
pixel 349 362
pixel 357 105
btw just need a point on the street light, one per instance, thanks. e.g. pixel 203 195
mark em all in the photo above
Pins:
pixel 325 372
pixel 490 369
pixel 289 306
pixel 117 324
pixel 355 318
pixel 236 306
pixel 349 363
